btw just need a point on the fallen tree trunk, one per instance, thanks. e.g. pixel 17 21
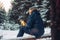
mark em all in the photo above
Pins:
pixel 29 38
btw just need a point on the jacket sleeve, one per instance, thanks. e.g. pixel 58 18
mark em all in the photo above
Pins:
pixel 30 21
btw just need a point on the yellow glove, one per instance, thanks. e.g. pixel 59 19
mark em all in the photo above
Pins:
pixel 23 23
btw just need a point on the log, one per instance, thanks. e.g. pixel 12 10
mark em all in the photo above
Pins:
pixel 29 38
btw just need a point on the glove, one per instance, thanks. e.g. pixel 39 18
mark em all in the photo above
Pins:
pixel 23 23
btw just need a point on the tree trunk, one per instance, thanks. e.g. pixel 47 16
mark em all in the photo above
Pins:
pixel 55 19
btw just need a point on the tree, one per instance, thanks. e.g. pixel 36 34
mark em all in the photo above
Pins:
pixel 55 19
pixel 19 11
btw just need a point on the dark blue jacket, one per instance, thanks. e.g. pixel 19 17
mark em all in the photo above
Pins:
pixel 35 21
pixel 34 26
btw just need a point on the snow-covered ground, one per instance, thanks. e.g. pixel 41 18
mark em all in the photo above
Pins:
pixel 8 34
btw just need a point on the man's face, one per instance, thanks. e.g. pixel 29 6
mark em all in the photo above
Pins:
pixel 30 11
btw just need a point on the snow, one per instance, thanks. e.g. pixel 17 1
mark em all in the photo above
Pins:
pixel 8 34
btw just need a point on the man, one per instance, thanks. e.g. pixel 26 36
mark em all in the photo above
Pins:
pixel 34 25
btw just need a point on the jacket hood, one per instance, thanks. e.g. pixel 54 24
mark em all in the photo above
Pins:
pixel 36 12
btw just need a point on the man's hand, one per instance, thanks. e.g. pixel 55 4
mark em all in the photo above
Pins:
pixel 23 23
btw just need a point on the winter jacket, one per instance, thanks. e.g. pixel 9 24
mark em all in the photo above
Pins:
pixel 35 24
